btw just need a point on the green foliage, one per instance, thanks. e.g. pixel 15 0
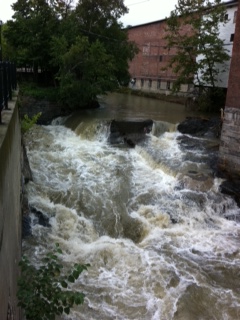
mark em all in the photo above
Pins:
pixel 84 50
pixel 30 33
pixel 37 92
pixel 193 31
pixel 86 71
pixel 28 122
pixel 44 292
pixel 212 100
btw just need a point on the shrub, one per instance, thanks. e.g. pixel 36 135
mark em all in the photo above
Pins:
pixel 44 292
pixel 27 122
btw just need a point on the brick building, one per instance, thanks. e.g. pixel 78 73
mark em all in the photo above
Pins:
pixel 229 153
pixel 147 67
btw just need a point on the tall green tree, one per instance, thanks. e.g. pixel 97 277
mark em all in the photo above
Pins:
pixel 30 33
pixel 85 47
pixel 92 51
pixel 193 31
pixel 99 21
pixel 86 70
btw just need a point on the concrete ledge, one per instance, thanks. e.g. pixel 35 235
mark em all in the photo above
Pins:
pixel 10 211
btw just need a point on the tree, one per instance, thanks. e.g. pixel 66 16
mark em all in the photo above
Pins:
pixel 92 51
pixel 85 48
pixel 86 70
pixel 193 31
pixel 99 21
pixel 30 33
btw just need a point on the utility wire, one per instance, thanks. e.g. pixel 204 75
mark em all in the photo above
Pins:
pixel 133 4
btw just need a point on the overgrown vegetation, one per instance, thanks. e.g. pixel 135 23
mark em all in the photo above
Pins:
pixel 200 57
pixel 37 92
pixel 81 49
pixel 44 291
pixel 27 122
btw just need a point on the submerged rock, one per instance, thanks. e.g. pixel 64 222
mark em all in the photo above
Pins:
pixel 26 227
pixel 201 126
pixel 232 188
pixel 129 133
pixel 26 170
pixel 43 220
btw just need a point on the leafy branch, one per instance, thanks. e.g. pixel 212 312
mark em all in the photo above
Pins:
pixel 44 292
pixel 28 122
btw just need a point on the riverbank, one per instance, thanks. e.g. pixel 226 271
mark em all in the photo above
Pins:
pixel 154 95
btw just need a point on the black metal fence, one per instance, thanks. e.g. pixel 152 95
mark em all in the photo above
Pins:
pixel 8 82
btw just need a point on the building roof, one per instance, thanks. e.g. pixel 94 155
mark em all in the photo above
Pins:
pixel 227 4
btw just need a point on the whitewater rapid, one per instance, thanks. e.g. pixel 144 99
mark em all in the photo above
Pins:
pixel 150 221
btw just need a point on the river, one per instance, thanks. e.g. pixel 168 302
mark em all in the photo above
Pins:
pixel 153 230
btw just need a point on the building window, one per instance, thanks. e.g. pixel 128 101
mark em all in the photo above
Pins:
pixel 232 37
pixel 150 83
pixel 168 85
pixel 235 17
pixel 160 58
pixel 159 84
pixel 142 82
pixel 146 49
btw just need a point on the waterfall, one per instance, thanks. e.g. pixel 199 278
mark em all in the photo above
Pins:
pixel 150 220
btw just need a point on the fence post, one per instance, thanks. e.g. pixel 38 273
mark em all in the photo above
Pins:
pixel 14 76
pixel 5 86
pixel 9 83
pixel 1 92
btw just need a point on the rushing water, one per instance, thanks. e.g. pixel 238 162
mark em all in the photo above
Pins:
pixel 149 220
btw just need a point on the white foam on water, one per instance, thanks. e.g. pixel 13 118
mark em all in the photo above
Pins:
pixel 185 255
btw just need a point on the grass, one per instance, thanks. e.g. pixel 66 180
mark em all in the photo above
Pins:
pixel 39 92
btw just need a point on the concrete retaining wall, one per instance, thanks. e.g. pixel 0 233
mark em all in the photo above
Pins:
pixel 10 211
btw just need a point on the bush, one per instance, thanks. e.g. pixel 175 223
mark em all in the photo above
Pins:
pixel 27 122
pixel 212 100
pixel 43 292
pixel 37 92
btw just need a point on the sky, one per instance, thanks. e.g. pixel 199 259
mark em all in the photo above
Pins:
pixel 143 11
pixel 140 11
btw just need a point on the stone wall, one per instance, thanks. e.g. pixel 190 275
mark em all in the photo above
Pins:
pixel 10 211
pixel 229 147
pixel 229 152
pixel 31 106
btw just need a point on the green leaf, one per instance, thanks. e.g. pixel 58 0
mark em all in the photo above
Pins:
pixel 60 309
pixel 67 310
pixel 41 291
pixel 71 279
pixel 64 284
pixel 76 274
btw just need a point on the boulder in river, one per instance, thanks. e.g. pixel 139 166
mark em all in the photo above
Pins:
pixel 201 126
pixel 129 133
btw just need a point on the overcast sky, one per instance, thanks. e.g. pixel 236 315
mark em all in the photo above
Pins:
pixel 143 11
pixel 140 11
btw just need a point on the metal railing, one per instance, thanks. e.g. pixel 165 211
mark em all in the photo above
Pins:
pixel 8 82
